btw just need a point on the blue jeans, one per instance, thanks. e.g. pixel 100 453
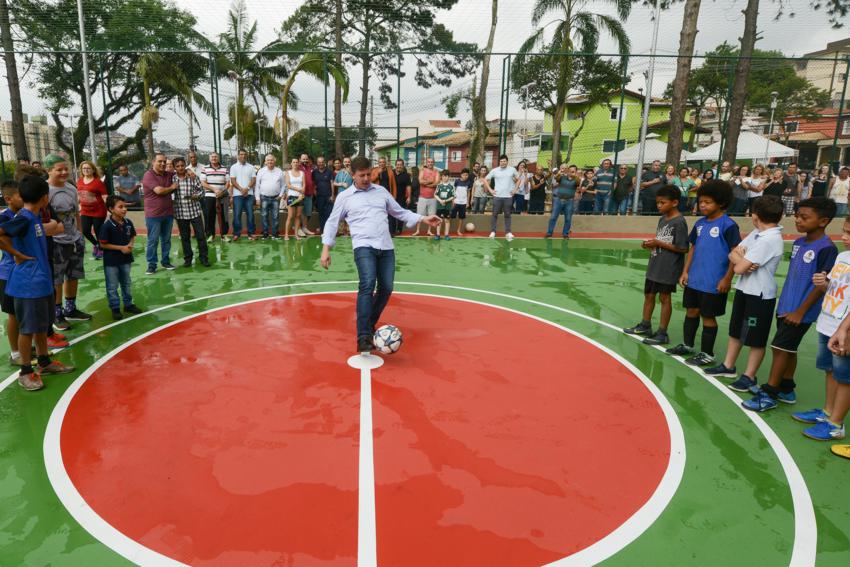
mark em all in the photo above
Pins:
pixel 270 215
pixel 519 204
pixel 841 210
pixel 566 206
pixel 620 207
pixel 118 276
pixel 159 231
pixel 374 267
pixel 601 202
pixel 243 203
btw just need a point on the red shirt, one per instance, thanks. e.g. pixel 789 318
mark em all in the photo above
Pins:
pixel 429 175
pixel 157 205
pixel 91 198
pixel 309 186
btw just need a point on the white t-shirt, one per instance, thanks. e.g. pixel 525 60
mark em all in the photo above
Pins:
pixel 836 300
pixel 503 180
pixel 764 248
pixel 243 172
pixel 297 183
pixel 840 189
pixel 747 181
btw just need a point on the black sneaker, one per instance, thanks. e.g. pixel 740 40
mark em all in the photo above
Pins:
pixel 657 339
pixel 77 315
pixel 61 324
pixel 680 349
pixel 132 309
pixel 205 263
pixel 639 329
pixel 187 263
pixel 116 315
pixel 150 271
pixel 700 359
pixel 169 266
pixel 721 370
pixel 364 344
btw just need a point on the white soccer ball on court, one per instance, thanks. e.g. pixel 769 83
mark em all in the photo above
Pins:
pixel 388 339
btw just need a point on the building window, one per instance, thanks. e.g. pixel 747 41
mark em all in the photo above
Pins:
pixel 456 156
pixel 573 114
pixel 614 114
pixel 531 142
pixel 609 146
pixel 845 128
pixel 546 142
pixel 438 156
pixel 488 158
pixel 791 127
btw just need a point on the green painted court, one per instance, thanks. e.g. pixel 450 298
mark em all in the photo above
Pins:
pixel 516 426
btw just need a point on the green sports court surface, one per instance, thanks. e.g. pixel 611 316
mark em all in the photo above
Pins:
pixel 516 426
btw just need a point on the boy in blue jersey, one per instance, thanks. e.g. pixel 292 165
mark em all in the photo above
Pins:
pixel 12 197
pixel 754 261
pixel 707 275
pixel 799 302
pixel 30 282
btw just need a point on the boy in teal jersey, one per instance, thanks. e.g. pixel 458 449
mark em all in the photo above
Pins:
pixel 445 196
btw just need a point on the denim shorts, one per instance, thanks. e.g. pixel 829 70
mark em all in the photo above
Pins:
pixel 828 362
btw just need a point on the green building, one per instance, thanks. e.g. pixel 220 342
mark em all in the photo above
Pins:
pixel 597 139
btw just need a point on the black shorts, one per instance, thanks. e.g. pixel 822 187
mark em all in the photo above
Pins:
pixel 650 286
pixel 34 315
pixel 443 213
pixel 709 304
pixel 294 202
pixel 751 319
pixel 458 212
pixel 788 337
pixel 7 302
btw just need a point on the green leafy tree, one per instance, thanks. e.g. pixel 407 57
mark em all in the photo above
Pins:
pixel 121 26
pixel 594 78
pixel 572 26
pixel 372 31
pixel 680 91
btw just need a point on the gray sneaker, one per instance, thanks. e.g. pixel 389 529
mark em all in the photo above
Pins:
pixel 55 367
pixel 30 382
pixel 657 339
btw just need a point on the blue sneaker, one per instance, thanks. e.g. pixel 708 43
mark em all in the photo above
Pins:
pixel 447 237
pixel 811 416
pixel 760 402
pixel 742 384
pixel 789 398
pixel 721 370
pixel 436 238
pixel 824 431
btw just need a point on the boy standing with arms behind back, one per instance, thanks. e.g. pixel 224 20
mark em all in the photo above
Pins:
pixel 707 275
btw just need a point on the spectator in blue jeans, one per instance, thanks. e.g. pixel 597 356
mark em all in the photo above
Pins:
pixel 116 238
pixel 158 185
pixel 269 189
pixel 242 178
pixel 604 180
pixel 365 207
pixel 566 182
pixel 624 186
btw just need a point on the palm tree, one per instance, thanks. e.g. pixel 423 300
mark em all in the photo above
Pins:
pixel 254 71
pixel 572 25
pixel 160 71
pixel 320 66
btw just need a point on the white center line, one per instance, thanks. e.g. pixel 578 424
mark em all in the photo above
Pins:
pixel 367 555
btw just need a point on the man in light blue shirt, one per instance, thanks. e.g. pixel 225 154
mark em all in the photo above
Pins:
pixel 242 178
pixel 501 183
pixel 365 207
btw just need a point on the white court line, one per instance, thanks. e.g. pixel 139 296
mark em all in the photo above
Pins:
pixel 367 533
pixel 805 527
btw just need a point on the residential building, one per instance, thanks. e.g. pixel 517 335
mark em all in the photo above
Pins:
pixel 827 68
pixel 814 137
pixel 40 136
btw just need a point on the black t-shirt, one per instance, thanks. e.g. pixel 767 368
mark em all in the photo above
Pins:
pixel 775 188
pixel 323 180
pixel 385 179
pixel 402 182
pixel 120 235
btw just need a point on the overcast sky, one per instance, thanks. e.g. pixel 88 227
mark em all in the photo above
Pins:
pixel 720 20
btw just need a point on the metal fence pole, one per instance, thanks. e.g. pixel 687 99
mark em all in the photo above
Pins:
pixel 109 184
pixel 501 106
pixel 507 108
pixel 725 119
pixel 620 113
pixel 212 101
pixel 327 82
pixel 218 140
pixel 398 109
pixel 835 158
pixel 2 162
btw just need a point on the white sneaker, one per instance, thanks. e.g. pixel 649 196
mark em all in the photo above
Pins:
pixel 509 236
pixel 492 235
pixel 301 232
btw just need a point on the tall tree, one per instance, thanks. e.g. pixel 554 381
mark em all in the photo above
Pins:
pixel 19 137
pixel 121 26
pixel 678 102
pixel 573 26
pixel 739 87
pixel 479 101
pixel 374 32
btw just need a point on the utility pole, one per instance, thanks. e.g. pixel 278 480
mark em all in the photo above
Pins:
pixel 647 98
pixel 371 119
pixel 86 85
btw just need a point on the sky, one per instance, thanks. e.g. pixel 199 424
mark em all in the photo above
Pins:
pixel 799 31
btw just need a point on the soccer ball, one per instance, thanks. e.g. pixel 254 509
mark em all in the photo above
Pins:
pixel 470 227
pixel 388 339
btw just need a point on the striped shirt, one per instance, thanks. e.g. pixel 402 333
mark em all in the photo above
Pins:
pixel 216 177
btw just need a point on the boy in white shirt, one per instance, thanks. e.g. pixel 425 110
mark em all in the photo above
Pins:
pixel 755 261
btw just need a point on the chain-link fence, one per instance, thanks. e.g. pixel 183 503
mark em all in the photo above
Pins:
pixel 322 103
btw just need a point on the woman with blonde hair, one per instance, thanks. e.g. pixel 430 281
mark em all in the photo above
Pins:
pixel 91 192
pixel 293 180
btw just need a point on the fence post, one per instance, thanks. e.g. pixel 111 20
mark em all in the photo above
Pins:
pixel 836 160
pixel 2 162
pixel 620 113
pixel 398 108
pixel 327 82
pixel 109 184
pixel 212 101
pixel 725 121
pixel 501 108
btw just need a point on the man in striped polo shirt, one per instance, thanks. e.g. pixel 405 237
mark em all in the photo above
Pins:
pixel 216 183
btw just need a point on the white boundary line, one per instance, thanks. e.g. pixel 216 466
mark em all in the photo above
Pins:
pixel 805 527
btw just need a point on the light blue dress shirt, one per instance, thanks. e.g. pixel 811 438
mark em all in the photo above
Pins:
pixel 365 211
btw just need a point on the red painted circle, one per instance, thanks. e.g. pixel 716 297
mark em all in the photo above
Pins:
pixel 232 438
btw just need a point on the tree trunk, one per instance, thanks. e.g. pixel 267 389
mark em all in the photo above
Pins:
pixel 149 125
pixel 697 121
pixel 337 87
pixel 742 75
pixel 284 123
pixel 557 119
pixel 678 105
pixel 478 140
pixel 19 137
